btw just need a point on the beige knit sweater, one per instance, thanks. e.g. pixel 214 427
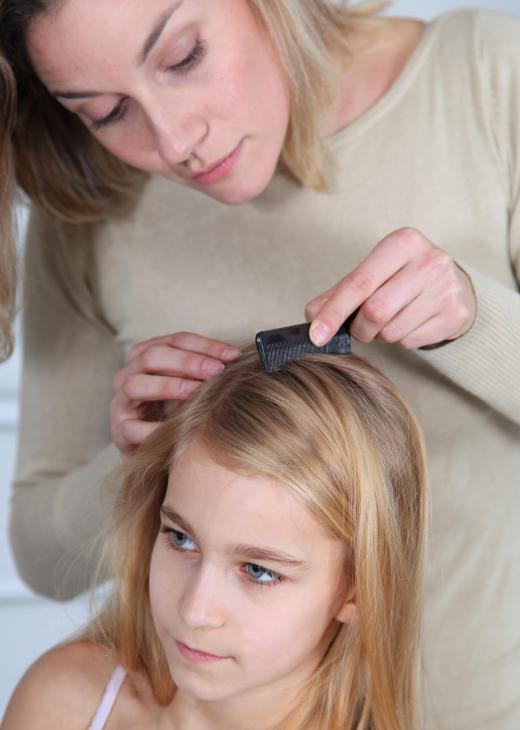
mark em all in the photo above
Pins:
pixel 441 152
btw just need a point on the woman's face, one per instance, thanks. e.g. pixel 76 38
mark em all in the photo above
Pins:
pixel 189 89
pixel 245 585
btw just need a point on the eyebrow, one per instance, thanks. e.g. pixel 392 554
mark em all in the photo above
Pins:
pixel 148 45
pixel 251 552
pixel 174 517
pixel 259 554
pixel 154 36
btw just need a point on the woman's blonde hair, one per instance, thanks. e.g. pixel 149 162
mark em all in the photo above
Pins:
pixel 57 162
pixel 335 432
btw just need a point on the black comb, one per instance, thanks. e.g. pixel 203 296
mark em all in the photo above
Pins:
pixel 276 347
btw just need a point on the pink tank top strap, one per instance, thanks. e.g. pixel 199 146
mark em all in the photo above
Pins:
pixel 109 699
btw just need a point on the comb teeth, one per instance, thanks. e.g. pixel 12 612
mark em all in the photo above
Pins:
pixel 277 347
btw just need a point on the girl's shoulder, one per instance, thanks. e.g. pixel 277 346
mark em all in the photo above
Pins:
pixel 63 689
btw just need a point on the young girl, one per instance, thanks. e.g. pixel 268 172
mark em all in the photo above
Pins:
pixel 267 549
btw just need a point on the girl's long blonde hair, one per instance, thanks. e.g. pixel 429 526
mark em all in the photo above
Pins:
pixel 334 431
pixel 48 152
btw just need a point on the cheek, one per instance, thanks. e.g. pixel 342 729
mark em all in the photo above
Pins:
pixel 253 91
pixel 162 594
pixel 282 633
pixel 136 147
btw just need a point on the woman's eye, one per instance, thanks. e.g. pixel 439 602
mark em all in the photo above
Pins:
pixel 115 115
pixel 190 60
pixel 178 540
pixel 262 575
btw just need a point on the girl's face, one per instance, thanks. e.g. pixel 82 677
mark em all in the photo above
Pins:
pixel 245 585
pixel 189 89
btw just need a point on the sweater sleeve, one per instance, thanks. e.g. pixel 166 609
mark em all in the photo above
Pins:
pixel 60 497
pixel 486 360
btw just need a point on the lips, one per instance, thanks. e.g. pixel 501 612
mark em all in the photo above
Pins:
pixel 196 655
pixel 219 170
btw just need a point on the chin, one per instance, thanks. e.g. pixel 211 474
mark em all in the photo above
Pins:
pixel 242 188
pixel 203 689
pixel 239 194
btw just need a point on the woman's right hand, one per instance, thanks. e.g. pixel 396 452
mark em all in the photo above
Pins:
pixel 161 369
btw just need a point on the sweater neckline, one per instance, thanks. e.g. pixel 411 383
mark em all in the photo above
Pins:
pixel 393 93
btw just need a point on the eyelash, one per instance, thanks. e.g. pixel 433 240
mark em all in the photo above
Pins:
pixel 276 577
pixel 118 113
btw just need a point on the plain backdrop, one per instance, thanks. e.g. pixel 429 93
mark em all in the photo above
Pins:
pixel 28 624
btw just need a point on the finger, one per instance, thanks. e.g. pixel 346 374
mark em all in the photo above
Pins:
pixel 162 359
pixel 189 341
pixel 204 346
pixel 122 408
pixel 135 431
pixel 386 259
pixel 141 387
pixel 313 307
pixel 409 319
pixel 429 333
pixel 381 309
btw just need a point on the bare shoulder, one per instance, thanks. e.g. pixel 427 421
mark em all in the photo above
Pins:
pixel 62 689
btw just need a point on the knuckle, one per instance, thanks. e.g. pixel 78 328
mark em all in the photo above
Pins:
pixel 376 312
pixel 408 238
pixel 441 262
pixel 461 315
pixel 179 339
pixel 148 359
pixel 361 283
pixel 127 431
pixel 135 350
pixel 129 387
pixel 334 313
pixel 311 310
pixel 388 335
pixel 409 343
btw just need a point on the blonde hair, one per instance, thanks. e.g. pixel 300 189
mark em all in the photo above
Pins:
pixel 57 162
pixel 334 431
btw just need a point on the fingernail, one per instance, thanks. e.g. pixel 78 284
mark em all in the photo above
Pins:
pixel 189 386
pixel 319 333
pixel 212 367
pixel 230 353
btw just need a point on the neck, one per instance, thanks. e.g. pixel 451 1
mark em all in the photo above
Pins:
pixel 266 709
pixel 379 52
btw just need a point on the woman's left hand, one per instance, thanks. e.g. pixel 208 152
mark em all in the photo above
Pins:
pixel 408 291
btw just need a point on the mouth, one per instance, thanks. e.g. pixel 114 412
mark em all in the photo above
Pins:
pixel 196 655
pixel 221 169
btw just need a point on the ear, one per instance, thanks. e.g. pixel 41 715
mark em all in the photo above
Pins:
pixel 347 612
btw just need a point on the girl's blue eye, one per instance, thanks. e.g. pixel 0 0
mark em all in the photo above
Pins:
pixel 178 540
pixel 262 575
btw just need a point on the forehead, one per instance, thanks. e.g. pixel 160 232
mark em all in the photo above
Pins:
pixel 79 32
pixel 229 507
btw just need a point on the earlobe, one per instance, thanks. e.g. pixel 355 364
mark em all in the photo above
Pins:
pixel 347 612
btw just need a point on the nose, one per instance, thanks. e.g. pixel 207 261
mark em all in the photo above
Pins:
pixel 178 135
pixel 202 603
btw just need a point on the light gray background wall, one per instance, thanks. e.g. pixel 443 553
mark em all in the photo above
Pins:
pixel 28 624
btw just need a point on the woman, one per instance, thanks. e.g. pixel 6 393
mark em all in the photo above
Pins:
pixel 268 553
pixel 421 126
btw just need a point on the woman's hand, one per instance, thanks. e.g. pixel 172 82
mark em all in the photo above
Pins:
pixel 408 291
pixel 161 369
